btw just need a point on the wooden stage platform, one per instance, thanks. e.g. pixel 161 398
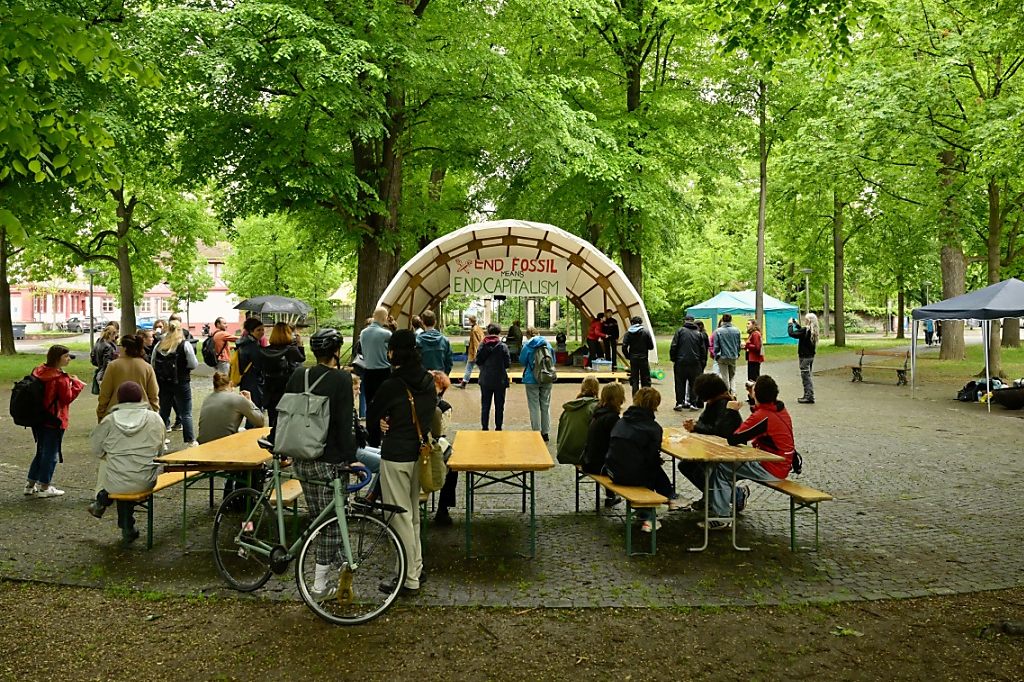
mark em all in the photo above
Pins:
pixel 566 375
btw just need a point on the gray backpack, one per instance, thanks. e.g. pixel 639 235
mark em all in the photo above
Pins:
pixel 303 420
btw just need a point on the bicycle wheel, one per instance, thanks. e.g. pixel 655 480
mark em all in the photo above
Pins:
pixel 243 516
pixel 356 594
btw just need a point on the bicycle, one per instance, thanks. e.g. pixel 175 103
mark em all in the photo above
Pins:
pixel 250 545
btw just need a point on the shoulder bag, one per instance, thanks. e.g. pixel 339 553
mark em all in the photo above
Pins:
pixel 431 457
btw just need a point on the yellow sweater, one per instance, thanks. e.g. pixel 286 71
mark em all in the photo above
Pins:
pixel 127 369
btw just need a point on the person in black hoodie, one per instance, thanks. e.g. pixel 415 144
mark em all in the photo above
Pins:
pixel 611 339
pixel 636 344
pixel 719 418
pixel 599 434
pixel 340 448
pixel 493 359
pixel 250 361
pixel 280 359
pixel 688 353
pixel 634 451
pixel 410 387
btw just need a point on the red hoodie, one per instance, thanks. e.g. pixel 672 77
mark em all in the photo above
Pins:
pixel 755 351
pixel 770 429
pixel 596 331
pixel 60 387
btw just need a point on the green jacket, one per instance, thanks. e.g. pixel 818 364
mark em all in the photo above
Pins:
pixel 572 429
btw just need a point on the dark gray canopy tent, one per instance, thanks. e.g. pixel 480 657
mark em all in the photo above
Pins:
pixel 995 302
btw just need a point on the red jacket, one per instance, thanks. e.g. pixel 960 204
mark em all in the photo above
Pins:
pixel 769 428
pixel 60 387
pixel 755 350
pixel 595 332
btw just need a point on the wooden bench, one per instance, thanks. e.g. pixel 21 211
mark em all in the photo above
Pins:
pixel 291 491
pixel 800 497
pixel 901 370
pixel 635 497
pixel 145 499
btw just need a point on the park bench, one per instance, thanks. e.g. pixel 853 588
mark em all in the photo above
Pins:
pixel 291 491
pixel 901 369
pixel 145 499
pixel 636 497
pixel 800 497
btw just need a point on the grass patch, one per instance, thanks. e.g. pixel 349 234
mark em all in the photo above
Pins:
pixel 14 367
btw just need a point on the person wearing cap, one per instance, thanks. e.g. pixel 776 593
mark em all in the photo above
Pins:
pixel 636 344
pixel 407 404
pixel 127 441
pixel 688 355
pixel 59 391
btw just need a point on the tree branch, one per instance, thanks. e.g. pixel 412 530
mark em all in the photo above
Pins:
pixel 80 252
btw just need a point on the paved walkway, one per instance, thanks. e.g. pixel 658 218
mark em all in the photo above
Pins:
pixel 927 503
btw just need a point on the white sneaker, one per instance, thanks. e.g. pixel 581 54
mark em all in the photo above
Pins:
pixel 167 441
pixel 193 444
pixel 678 503
pixel 30 488
pixel 169 429
pixel 646 526
pixel 49 491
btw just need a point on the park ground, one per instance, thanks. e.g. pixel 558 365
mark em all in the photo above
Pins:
pixel 920 563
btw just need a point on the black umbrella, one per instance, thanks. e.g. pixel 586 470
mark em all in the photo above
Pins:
pixel 281 305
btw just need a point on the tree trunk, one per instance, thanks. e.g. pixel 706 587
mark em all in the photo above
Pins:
pixel 901 308
pixel 632 266
pixel 126 280
pixel 994 253
pixel 6 323
pixel 952 262
pixel 838 270
pixel 1011 333
pixel 762 197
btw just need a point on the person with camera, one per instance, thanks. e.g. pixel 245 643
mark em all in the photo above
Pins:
pixel 807 340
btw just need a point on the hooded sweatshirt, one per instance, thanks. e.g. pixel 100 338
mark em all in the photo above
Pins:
pixel 401 443
pixel 493 359
pixel 435 350
pixel 688 345
pixel 250 364
pixel 279 361
pixel 769 428
pixel 635 447
pixel 126 441
pixel 572 429
pixel 526 357
pixel 59 392
pixel 637 342
pixel 599 436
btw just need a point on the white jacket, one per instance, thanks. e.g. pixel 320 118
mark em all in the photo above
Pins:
pixel 126 441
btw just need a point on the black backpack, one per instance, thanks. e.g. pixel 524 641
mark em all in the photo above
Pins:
pixel 166 365
pixel 209 350
pixel 27 403
pixel 969 393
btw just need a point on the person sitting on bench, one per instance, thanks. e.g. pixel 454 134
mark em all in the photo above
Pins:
pixel 768 428
pixel 126 441
pixel 719 418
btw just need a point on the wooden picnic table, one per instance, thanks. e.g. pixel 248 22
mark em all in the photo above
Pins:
pixel 500 458
pixel 225 457
pixel 712 450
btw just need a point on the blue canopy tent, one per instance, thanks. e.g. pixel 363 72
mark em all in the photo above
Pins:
pixel 741 304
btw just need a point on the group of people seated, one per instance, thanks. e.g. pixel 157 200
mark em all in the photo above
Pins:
pixel 594 433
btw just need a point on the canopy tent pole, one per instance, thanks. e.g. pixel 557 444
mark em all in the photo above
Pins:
pixel 913 359
pixel 986 325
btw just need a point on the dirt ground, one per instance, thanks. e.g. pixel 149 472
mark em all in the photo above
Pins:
pixel 58 632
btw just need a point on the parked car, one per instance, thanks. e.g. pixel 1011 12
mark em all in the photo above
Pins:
pixel 145 322
pixel 80 325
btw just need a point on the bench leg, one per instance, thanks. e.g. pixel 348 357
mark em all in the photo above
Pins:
pixel 629 529
pixel 149 523
pixel 597 497
pixel 857 374
pixel 901 377
pixel 792 525
pixel 577 492
pixel 423 527
pixel 793 509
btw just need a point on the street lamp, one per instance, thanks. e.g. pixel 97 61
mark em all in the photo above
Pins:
pixel 92 303
pixel 926 285
pixel 807 286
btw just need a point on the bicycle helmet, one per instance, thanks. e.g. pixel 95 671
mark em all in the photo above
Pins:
pixel 325 342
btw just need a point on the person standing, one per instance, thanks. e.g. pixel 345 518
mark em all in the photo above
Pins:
pixel 610 327
pixel 726 341
pixel 706 346
pixel 373 344
pixel 807 346
pixel 173 361
pixel 595 339
pixel 435 349
pixel 147 343
pixel 336 385
pixel 636 345
pixel 59 390
pixel 131 366
pixel 754 348
pixel 929 332
pixel 102 354
pixel 282 356
pixel 493 359
pixel 688 355
pixel 538 395
pixel 408 402
pixel 476 337
pixel 221 339
pixel 250 361
pixel 126 441
pixel 514 338
pixel 158 330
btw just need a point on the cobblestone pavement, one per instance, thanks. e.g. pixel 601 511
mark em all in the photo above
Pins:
pixel 926 491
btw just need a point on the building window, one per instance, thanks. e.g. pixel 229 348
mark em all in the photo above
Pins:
pixel 165 305
pixel 107 306
pixel 146 307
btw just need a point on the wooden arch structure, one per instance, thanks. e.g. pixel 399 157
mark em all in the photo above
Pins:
pixel 593 282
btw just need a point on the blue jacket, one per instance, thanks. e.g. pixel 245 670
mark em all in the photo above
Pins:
pixel 435 350
pixel 373 341
pixel 526 357
pixel 726 341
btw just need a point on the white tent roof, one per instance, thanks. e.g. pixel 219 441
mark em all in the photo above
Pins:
pixel 594 283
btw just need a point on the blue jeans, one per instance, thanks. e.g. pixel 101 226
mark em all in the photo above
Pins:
pixel 487 394
pixel 538 399
pixel 470 366
pixel 370 458
pixel 48 442
pixel 180 397
pixel 721 484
